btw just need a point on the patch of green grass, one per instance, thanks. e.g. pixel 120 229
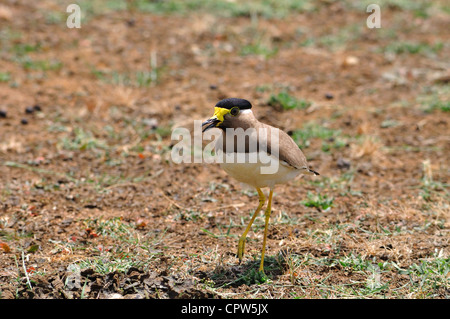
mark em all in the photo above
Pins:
pixel 287 101
pixel 8 37
pixel 104 180
pixel 270 9
pixel 126 246
pixel 413 48
pixel 318 201
pixel 442 105
pixel 247 274
pixel 429 278
pixel 342 183
pixel 431 189
pixel 331 143
pixel 163 131
pixel 20 54
pixel 136 79
pixel 370 283
pixel 338 39
pixel 141 78
pixel 254 41
pixel 434 98
pixel 437 104
pixel 40 65
pixel 108 263
pixel 189 215
pixel 389 123
pixel 37 170
pixel 82 140
pixel 251 276
pixel 341 38
pixel 263 88
pixel 283 218
pixel 420 8
pixel 5 76
pixel 355 262
pixel 313 130
pixel 54 17
pixel 91 8
pixel 258 48
pixel 331 138
pixel 22 49
pixel 114 227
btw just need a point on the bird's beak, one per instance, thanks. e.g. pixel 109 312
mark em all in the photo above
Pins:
pixel 210 123
pixel 216 119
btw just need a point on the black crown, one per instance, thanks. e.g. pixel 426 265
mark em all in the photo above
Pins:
pixel 231 102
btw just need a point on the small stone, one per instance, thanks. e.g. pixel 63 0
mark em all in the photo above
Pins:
pixel 114 296
pixel 24 121
pixel 343 163
pixel 213 87
pixel 133 296
pixel 151 122
pixel 329 96
pixel 350 61
pixel 37 108
pixel 3 114
pixel 29 110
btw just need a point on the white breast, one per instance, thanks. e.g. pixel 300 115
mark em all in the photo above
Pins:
pixel 256 169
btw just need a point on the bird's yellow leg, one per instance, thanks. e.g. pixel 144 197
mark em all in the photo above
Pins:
pixel 241 244
pixel 267 215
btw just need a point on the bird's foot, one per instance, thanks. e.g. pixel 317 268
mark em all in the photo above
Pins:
pixel 262 277
pixel 240 252
pixel 261 269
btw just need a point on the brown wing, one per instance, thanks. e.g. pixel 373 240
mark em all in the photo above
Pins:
pixel 289 152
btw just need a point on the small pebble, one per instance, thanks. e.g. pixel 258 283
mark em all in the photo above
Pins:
pixel 151 122
pixel 213 87
pixel 350 61
pixel 24 121
pixel 37 107
pixel 29 110
pixel 343 163
pixel 2 114
pixel 329 96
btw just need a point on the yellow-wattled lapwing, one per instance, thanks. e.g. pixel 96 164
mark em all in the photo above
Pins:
pixel 256 154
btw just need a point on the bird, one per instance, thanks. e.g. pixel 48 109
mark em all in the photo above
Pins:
pixel 245 148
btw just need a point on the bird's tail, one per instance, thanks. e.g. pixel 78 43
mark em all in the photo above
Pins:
pixel 309 171
pixel 313 172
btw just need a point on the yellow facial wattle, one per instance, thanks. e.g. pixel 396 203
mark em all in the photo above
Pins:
pixel 219 114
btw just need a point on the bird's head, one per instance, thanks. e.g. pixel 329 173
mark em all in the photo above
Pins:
pixel 226 109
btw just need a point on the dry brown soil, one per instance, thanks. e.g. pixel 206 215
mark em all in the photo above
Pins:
pixel 91 205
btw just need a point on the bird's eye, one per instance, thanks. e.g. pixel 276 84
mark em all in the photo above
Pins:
pixel 234 111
